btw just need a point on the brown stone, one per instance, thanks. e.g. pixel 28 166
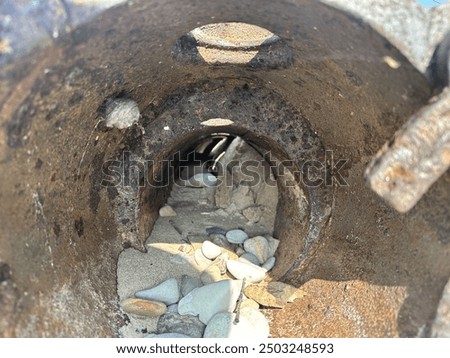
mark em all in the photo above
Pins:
pixel 141 307
pixel 273 294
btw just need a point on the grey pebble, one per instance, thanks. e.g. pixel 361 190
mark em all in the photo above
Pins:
pixel 166 292
pixel 236 236
pixel 188 284
pixel 248 257
pixel 175 323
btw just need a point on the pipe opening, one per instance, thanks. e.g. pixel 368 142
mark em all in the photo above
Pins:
pixel 235 212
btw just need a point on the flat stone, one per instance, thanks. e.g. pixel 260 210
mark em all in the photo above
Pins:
pixel 210 250
pixel 253 214
pixel 273 294
pixel 250 272
pixel 210 275
pixel 259 247
pixel 175 323
pixel 166 292
pixel 188 284
pixel 248 257
pixel 167 335
pixel 166 211
pixel 249 303
pixel 208 300
pixel 202 180
pixel 273 245
pixel 269 264
pixel 252 325
pixel 236 236
pixel 201 260
pixel 143 307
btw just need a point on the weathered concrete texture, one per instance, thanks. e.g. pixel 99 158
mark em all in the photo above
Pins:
pixel 413 29
pixel 59 231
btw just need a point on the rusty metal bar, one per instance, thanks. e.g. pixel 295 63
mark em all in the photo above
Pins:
pixel 405 168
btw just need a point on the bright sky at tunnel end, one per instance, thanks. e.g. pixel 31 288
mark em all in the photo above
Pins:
pixel 432 3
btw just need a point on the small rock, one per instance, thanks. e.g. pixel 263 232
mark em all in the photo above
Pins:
pixel 269 264
pixel 236 236
pixel 121 113
pixel 249 303
pixel 188 284
pixel 172 308
pixel 202 180
pixel 253 214
pixel 248 257
pixel 208 300
pixel 201 260
pixel 273 294
pixel 258 321
pixel 167 335
pixel 210 250
pixel 175 323
pixel 221 263
pixel 273 245
pixel 166 292
pixel 252 325
pixel 250 272
pixel 259 247
pixel 166 211
pixel 240 251
pixel 210 275
pixel 143 307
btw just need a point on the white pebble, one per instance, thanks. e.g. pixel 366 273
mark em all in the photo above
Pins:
pixel 202 180
pixel 166 211
pixel 210 250
pixel 250 272
pixel 236 236
pixel 121 113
